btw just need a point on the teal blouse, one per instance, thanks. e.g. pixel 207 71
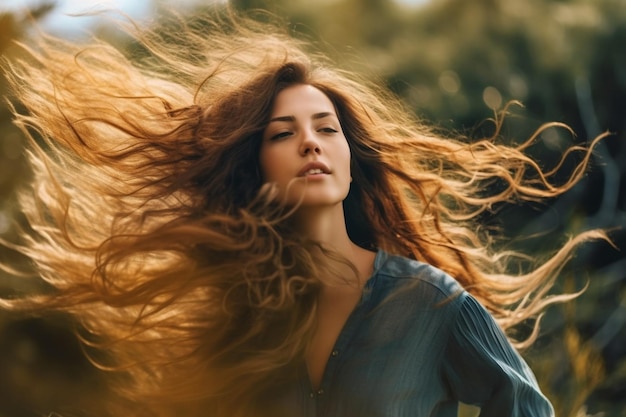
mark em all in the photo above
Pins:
pixel 416 345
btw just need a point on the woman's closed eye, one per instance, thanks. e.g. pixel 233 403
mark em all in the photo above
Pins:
pixel 287 133
pixel 281 135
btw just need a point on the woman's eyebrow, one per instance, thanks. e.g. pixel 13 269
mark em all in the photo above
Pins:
pixel 293 118
pixel 283 119
pixel 322 115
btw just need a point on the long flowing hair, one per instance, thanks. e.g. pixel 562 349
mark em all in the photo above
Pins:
pixel 149 218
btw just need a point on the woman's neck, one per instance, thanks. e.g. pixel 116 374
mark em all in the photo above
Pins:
pixel 327 226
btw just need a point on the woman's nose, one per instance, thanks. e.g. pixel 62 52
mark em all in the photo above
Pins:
pixel 310 144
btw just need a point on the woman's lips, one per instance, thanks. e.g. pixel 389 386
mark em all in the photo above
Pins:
pixel 313 168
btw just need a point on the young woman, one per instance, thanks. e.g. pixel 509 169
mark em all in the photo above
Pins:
pixel 242 230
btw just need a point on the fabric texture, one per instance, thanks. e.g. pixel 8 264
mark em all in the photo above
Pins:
pixel 414 346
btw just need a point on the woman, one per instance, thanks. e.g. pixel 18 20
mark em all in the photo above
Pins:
pixel 241 229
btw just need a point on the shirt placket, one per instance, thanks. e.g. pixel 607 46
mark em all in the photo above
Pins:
pixel 323 396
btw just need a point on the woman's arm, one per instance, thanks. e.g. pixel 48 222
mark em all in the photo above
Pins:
pixel 484 369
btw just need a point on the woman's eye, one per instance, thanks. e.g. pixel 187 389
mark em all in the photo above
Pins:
pixel 328 130
pixel 280 135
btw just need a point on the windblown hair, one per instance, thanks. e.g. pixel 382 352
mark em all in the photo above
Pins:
pixel 150 220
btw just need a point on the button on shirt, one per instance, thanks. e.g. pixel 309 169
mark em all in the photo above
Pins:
pixel 414 346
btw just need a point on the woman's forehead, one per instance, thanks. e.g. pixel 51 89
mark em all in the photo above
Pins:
pixel 301 99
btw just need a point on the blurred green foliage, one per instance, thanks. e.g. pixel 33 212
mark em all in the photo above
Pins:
pixel 454 63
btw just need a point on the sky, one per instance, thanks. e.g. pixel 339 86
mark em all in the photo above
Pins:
pixel 59 20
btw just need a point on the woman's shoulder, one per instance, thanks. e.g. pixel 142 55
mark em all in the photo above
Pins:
pixel 397 272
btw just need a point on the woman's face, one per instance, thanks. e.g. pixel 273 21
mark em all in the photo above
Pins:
pixel 304 150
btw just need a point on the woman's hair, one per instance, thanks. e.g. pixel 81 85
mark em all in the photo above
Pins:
pixel 148 216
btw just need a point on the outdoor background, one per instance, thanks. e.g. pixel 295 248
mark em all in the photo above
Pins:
pixel 454 62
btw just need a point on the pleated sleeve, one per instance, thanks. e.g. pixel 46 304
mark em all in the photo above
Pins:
pixel 483 369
